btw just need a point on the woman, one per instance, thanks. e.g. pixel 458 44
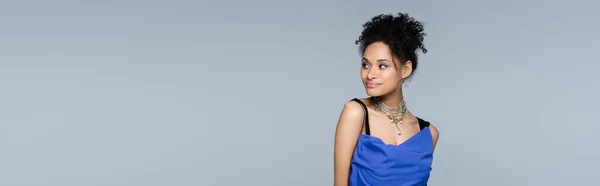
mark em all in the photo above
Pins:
pixel 378 141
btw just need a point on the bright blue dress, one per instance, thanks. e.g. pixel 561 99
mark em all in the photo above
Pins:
pixel 375 163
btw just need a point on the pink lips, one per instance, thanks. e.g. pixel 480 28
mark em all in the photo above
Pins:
pixel 372 84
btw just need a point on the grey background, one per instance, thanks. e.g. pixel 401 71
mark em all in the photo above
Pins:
pixel 249 92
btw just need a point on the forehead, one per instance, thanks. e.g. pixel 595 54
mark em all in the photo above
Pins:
pixel 376 51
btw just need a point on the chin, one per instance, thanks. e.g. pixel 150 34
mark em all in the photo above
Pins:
pixel 374 92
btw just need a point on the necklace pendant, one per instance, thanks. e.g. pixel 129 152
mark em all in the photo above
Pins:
pixel 398 131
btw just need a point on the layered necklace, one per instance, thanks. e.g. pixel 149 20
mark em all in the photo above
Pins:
pixel 395 113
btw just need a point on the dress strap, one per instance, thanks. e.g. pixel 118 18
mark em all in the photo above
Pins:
pixel 366 118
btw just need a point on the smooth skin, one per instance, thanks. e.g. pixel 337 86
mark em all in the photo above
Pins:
pixel 383 71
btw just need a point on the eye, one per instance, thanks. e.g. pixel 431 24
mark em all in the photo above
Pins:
pixel 383 66
pixel 365 65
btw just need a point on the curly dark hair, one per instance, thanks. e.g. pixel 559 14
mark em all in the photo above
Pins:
pixel 402 33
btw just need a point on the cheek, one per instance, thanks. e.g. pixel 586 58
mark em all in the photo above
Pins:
pixel 392 81
pixel 390 75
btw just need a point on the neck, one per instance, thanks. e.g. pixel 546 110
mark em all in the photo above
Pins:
pixel 393 99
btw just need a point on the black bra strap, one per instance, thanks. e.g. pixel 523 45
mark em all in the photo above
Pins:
pixel 366 119
pixel 422 123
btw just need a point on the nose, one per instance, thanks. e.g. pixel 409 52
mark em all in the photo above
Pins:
pixel 372 74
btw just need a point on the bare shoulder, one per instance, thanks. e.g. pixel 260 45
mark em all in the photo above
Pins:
pixel 435 133
pixel 352 111
pixel 350 121
pixel 347 132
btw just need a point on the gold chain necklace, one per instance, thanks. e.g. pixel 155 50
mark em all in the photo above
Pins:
pixel 395 114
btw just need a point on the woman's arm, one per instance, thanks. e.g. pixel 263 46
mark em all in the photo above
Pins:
pixel 348 129
pixel 435 134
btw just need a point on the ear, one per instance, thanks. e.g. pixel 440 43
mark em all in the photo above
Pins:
pixel 406 69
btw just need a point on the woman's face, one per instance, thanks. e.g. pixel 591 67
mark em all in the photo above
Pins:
pixel 381 73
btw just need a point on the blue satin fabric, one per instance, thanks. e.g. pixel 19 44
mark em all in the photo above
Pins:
pixel 375 163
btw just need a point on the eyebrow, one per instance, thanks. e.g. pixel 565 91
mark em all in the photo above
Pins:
pixel 379 60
